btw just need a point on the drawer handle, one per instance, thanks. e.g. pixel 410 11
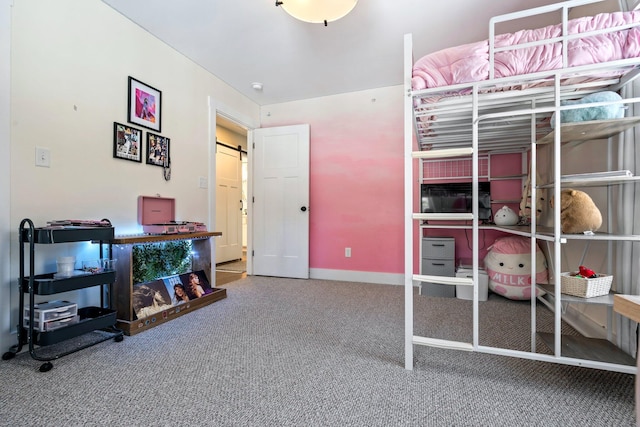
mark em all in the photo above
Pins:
pixel 438 244
pixel 437 263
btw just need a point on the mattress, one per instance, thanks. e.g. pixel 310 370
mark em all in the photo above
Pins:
pixel 470 62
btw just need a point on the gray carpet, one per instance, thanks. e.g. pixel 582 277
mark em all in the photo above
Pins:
pixel 284 352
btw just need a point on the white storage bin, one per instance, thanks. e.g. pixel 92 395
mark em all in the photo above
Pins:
pixel 53 324
pixel 52 310
pixel 466 292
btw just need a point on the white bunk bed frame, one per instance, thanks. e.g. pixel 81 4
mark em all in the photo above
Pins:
pixel 485 121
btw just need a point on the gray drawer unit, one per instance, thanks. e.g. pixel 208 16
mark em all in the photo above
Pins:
pixel 438 248
pixel 438 267
pixel 438 259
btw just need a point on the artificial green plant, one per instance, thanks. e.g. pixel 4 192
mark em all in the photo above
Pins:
pixel 154 260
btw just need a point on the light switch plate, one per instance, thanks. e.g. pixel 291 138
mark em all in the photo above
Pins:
pixel 43 157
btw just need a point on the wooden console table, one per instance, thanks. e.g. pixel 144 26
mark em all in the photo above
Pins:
pixel 121 248
pixel 628 306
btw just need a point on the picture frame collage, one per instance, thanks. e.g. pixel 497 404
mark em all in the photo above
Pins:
pixel 144 108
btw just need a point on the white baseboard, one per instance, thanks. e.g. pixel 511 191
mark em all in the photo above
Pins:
pixel 357 276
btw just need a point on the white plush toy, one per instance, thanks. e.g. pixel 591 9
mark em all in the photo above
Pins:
pixel 505 216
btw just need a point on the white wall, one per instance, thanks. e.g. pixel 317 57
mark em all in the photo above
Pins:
pixel 70 62
pixel 5 175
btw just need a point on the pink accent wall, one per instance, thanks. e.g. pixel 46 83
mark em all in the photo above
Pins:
pixel 355 199
pixel 356 178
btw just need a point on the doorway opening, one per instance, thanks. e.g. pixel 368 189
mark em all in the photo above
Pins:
pixel 236 262
pixel 232 163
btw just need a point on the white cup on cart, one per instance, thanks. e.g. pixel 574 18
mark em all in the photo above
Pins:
pixel 66 265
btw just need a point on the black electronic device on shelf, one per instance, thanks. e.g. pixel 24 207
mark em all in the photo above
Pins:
pixel 455 197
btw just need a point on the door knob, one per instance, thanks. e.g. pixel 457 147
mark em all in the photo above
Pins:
pixel 303 209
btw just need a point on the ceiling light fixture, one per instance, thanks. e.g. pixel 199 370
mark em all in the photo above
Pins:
pixel 317 11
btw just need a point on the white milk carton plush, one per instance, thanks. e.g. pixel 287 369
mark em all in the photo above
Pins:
pixel 508 264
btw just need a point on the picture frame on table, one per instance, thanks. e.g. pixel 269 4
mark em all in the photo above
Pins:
pixel 145 105
pixel 127 142
pixel 157 150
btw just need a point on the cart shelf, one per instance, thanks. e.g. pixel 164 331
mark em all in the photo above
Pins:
pixel 91 318
pixel 48 284
pixel 66 234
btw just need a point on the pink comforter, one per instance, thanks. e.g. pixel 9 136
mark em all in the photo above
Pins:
pixel 470 62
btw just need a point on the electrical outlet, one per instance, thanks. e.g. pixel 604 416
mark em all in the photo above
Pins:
pixel 202 182
pixel 43 157
pixel 347 252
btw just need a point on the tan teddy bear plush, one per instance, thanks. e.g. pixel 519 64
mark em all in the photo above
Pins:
pixel 578 213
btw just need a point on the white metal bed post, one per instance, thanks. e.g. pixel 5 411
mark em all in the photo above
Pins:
pixel 408 204
pixel 610 206
pixel 557 189
pixel 534 223
pixel 475 211
pixel 627 332
pixel 557 140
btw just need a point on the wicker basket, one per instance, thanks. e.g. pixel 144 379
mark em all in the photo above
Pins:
pixel 585 288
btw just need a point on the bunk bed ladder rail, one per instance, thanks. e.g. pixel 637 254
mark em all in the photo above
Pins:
pixel 408 203
pixel 446 280
pixel 411 279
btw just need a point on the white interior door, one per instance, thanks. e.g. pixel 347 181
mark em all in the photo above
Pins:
pixel 228 204
pixel 280 212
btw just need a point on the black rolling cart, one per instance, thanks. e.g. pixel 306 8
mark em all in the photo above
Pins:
pixel 88 319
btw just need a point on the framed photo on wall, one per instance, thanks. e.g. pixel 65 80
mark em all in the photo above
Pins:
pixel 145 105
pixel 157 150
pixel 127 142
